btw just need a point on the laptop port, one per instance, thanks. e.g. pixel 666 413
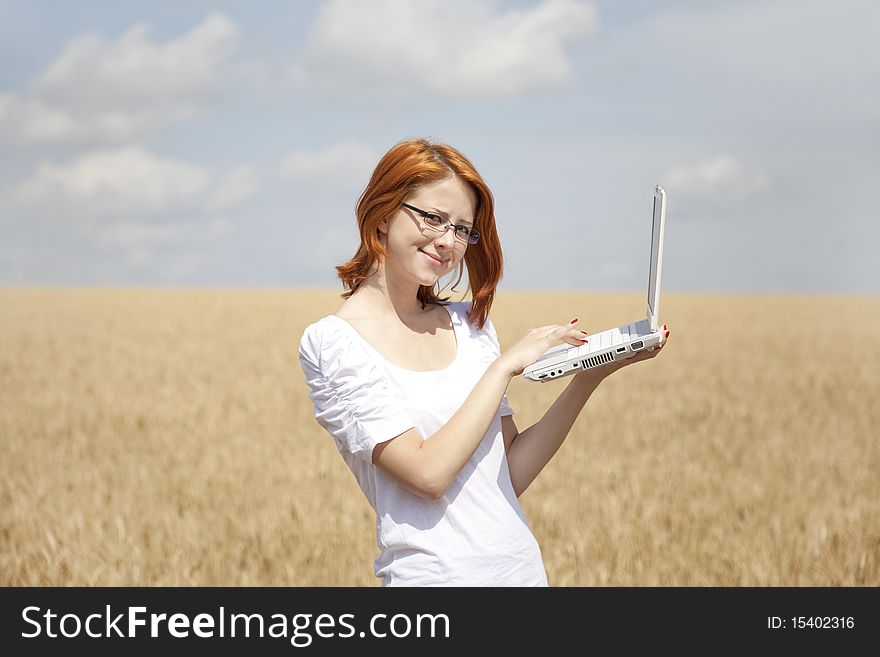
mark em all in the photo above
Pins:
pixel 543 376
pixel 620 350
pixel 638 344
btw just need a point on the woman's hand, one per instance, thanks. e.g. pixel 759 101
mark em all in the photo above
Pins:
pixel 535 342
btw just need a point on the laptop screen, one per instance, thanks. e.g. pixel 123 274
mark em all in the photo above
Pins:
pixel 656 242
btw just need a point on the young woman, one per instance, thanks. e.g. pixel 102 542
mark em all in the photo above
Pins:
pixel 412 387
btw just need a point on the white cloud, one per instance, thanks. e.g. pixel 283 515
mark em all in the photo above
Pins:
pixel 135 68
pixel 108 92
pixel 454 49
pixel 134 202
pixel 130 181
pixel 721 174
pixel 30 120
pixel 127 180
pixel 346 166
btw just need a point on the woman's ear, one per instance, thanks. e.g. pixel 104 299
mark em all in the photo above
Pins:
pixel 383 226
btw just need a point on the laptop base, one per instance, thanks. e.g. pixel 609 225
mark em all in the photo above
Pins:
pixel 602 349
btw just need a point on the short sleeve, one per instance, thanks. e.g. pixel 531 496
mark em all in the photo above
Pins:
pixel 489 329
pixel 352 397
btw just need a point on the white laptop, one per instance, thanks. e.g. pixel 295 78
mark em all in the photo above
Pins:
pixel 617 343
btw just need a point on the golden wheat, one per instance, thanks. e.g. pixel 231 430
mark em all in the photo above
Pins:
pixel 166 438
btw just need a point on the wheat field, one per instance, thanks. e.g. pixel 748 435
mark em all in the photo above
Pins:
pixel 165 437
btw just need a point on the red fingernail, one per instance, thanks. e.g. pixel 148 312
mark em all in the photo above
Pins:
pixel 574 320
pixel 584 332
pixel 584 340
pixel 664 327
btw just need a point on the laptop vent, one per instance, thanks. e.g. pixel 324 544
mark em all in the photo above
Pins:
pixel 595 361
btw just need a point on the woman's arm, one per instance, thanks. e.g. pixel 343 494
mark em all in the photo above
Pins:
pixel 427 467
pixel 528 452
pixel 533 448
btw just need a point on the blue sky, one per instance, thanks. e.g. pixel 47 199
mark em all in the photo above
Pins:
pixel 226 143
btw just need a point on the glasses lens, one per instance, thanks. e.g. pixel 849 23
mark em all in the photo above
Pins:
pixel 474 237
pixel 434 221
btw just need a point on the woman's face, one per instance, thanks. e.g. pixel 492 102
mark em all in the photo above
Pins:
pixel 419 253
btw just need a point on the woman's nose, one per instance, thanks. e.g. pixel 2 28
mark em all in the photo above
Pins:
pixel 446 238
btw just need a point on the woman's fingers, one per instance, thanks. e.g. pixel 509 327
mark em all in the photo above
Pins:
pixel 553 333
pixel 570 335
pixel 566 332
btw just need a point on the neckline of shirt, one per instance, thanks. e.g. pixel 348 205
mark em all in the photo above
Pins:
pixel 458 345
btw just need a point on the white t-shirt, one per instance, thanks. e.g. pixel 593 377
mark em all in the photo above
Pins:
pixel 476 534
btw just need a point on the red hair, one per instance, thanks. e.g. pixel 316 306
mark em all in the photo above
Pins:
pixel 401 171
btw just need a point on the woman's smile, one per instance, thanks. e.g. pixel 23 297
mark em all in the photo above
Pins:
pixel 434 260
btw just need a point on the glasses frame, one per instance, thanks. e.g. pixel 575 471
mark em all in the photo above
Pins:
pixel 473 235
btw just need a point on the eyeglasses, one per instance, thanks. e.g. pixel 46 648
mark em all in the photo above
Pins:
pixel 436 222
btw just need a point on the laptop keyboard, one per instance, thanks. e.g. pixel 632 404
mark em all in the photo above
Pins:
pixel 619 335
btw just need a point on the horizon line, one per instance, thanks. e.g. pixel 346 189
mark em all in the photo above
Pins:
pixel 325 289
